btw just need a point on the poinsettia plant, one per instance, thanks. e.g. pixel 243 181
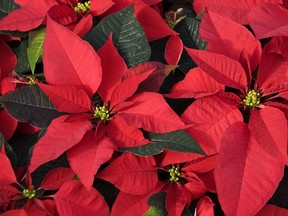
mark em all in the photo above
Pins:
pixel 143 107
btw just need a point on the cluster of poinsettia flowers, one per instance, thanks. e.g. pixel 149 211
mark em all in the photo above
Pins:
pixel 97 100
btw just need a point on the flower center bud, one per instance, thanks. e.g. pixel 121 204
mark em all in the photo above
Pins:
pixel 30 194
pixel 82 8
pixel 32 80
pixel 252 99
pixel 102 113
pixel 174 173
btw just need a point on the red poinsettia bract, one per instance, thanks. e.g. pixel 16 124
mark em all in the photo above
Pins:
pixel 269 19
pixel 8 62
pixel 89 133
pixel 234 10
pixel 73 14
pixel 247 151
pixel 136 178
pixel 22 198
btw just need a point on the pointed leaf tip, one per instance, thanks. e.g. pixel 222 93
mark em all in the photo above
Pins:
pixel 74 57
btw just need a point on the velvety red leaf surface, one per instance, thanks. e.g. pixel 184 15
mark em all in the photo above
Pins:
pixel 205 207
pixel 8 124
pixel 170 157
pixel 77 62
pixel 56 178
pixel 67 98
pixel 21 2
pixel 86 157
pixel 272 69
pixel 83 25
pixel 278 45
pixel 30 16
pixel 146 114
pixel 7 191
pixel 173 50
pixel 269 128
pixel 62 14
pixel 246 175
pixel 268 20
pixel 226 37
pixel 16 212
pixel 210 117
pixel 269 210
pixel 234 10
pixel 219 67
pixel 196 84
pixel 98 7
pixel 35 209
pixel 177 197
pixel 201 165
pixel 7 84
pixel 131 174
pixel 7 175
pixel 153 24
pixel 74 199
pixel 112 70
pixel 197 188
pixel 8 60
pixel 50 206
pixel 61 135
pixel 128 204
pixel 125 135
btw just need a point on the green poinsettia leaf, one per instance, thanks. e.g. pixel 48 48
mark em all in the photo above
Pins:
pixel 22 66
pixel 189 34
pixel 179 141
pixel 9 150
pixel 157 203
pixel 128 36
pixel 154 211
pixel 1 140
pixel 6 6
pixel 30 104
pixel 35 47
pixel 22 143
pixel 10 154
